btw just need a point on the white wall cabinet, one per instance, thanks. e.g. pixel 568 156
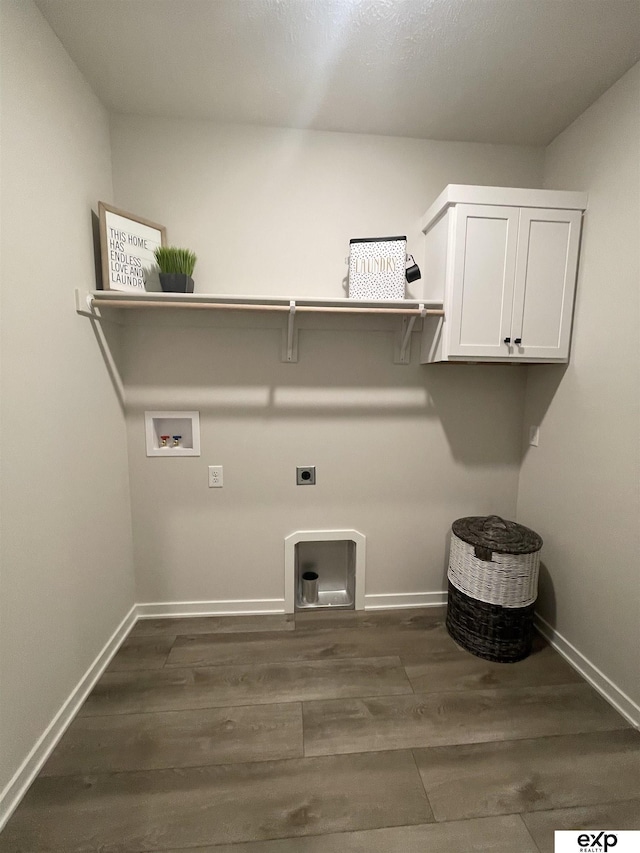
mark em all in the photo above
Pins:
pixel 504 263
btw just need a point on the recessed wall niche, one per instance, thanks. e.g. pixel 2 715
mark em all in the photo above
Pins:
pixel 337 557
pixel 172 433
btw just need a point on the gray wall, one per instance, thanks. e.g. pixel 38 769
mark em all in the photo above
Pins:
pixel 400 451
pixel 66 576
pixel 580 487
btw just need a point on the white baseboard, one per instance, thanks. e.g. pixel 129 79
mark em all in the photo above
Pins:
pixel 240 607
pixel 246 607
pixel 23 777
pixel 590 672
pixel 404 599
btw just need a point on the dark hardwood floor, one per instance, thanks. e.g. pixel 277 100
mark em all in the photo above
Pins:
pixel 328 733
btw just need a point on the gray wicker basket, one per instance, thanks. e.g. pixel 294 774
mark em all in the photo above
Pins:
pixel 493 586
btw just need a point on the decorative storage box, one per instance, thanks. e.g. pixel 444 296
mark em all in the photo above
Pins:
pixel 493 586
pixel 377 267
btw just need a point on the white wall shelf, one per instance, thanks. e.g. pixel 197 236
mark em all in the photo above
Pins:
pixel 92 304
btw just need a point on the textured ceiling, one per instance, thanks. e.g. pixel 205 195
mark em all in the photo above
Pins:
pixel 510 71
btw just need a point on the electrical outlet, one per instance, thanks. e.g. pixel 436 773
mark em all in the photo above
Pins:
pixel 306 475
pixel 534 435
pixel 215 477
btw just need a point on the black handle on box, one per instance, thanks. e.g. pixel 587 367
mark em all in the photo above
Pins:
pixel 412 272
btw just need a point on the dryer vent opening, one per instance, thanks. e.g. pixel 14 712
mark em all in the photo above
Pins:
pixel 325 570
pixel 325 574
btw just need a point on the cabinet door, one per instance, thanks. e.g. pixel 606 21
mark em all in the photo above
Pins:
pixel 481 285
pixel 545 282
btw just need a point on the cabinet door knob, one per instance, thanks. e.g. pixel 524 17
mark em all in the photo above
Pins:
pixel 518 341
pixel 507 340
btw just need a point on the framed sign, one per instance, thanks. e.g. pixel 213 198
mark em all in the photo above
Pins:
pixel 127 244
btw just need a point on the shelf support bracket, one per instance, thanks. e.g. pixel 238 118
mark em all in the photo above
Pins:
pixel 84 304
pixel 290 343
pixel 86 308
pixel 403 339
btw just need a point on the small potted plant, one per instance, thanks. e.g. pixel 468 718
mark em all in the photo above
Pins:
pixel 176 268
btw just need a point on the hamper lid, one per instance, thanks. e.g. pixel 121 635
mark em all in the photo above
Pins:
pixel 378 239
pixel 497 534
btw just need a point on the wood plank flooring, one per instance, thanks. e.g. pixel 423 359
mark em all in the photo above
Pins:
pixel 350 732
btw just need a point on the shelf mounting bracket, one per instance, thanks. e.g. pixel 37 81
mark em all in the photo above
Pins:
pixel 84 304
pixel 290 336
pixel 403 338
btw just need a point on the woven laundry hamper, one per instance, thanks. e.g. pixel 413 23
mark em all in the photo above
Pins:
pixel 493 586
